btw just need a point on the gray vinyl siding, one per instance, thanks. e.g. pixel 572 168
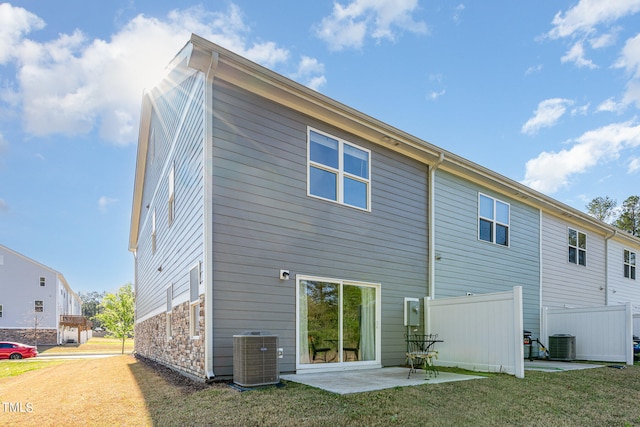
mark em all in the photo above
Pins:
pixel 564 283
pixel 178 123
pixel 465 264
pixel 264 221
pixel 622 289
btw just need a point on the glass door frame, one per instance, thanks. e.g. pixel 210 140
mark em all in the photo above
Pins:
pixel 341 365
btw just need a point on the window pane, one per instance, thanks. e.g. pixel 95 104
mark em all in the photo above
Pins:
pixel 573 255
pixel 324 150
pixel 502 212
pixel 502 235
pixel 632 258
pixel 573 237
pixel 627 271
pixel 356 161
pixel 355 193
pixel 486 230
pixel 633 273
pixel 323 183
pixel 582 257
pixel 582 241
pixel 486 207
pixel 626 256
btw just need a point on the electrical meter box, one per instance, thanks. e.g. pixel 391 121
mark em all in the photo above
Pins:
pixel 411 312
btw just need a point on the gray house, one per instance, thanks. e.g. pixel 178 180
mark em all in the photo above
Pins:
pixel 262 205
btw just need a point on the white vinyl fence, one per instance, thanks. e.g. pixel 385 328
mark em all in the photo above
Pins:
pixel 603 333
pixel 636 325
pixel 480 332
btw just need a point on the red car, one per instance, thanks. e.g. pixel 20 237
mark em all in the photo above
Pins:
pixel 14 350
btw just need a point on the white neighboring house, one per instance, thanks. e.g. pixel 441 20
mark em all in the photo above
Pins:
pixel 37 306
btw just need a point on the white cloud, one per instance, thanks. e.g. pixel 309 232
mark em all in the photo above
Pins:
pixel 546 115
pixel 349 25
pixel 4 207
pixel 74 85
pixel 611 106
pixel 576 55
pixel 581 110
pixel 533 69
pixel 15 22
pixel 551 171
pixel 457 12
pixel 587 14
pixel 634 165
pixel 310 73
pixel 104 202
pixel 630 60
pixel 434 95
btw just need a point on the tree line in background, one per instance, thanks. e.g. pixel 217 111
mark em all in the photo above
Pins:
pixel 625 217
pixel 111 311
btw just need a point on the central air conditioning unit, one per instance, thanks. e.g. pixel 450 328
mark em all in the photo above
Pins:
pixel 255 359
pixel 562 347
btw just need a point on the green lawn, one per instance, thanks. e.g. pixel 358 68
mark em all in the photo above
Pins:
pixel 94 345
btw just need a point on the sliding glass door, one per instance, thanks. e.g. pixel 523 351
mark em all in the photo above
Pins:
pixel 337 323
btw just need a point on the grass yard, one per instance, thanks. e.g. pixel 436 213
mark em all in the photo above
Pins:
pixel 121 390
pixel 94 345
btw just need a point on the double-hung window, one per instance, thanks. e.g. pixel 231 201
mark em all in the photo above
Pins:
pixel 171 203
pixel 577 247
pixel 0 310
pixel 338 171
pixel 493 220
pixel 629 264
pixel 39 306
pixel 43 281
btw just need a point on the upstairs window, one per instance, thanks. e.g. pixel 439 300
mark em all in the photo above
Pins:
pixel 39 306
pixel 577 247
pixel 153 233
pixel 172 196
pixel 493 220
pixel 338 171
pixel 43 281
pixel 629 264
pixel 0 310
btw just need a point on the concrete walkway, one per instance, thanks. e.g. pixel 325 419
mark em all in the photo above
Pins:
pixel 360 380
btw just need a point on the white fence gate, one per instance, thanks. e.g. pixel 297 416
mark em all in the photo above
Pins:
pixel 603 333
pixel 480 332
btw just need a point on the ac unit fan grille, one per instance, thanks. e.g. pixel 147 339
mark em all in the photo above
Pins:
pixel 255 360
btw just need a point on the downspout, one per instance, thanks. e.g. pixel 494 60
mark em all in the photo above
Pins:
pixel 431 225
pixel 207 268
pixel 606 266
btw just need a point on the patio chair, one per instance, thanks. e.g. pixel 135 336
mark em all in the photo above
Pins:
pixel 355 350
pixel 421 351
pixel 315 350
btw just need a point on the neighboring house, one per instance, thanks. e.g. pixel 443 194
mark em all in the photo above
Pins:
pixel 37 306
pixel 262 205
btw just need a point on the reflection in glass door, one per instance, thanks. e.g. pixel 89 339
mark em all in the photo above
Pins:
pixel 336 322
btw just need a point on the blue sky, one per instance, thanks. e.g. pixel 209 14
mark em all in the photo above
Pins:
pixel 545 93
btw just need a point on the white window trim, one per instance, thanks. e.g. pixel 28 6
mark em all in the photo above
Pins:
pixel 154 235
pixel 577 247
pixel 494 221
pixel 339 366
pixel 635 266
pixel 171 201
pixel 35 306
pixel 341 174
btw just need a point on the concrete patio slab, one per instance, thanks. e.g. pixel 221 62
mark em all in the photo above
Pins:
pixel 556 366
pixel 361 380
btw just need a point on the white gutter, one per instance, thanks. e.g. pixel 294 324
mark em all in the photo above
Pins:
pixel 207 169
pixel 431 225
pixel 606 266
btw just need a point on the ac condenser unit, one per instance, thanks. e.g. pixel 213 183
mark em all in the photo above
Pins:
pixel 255 359
pixel 562 347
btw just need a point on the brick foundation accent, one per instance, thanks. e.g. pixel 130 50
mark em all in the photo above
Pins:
pixel 180 352
pixel 27 336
